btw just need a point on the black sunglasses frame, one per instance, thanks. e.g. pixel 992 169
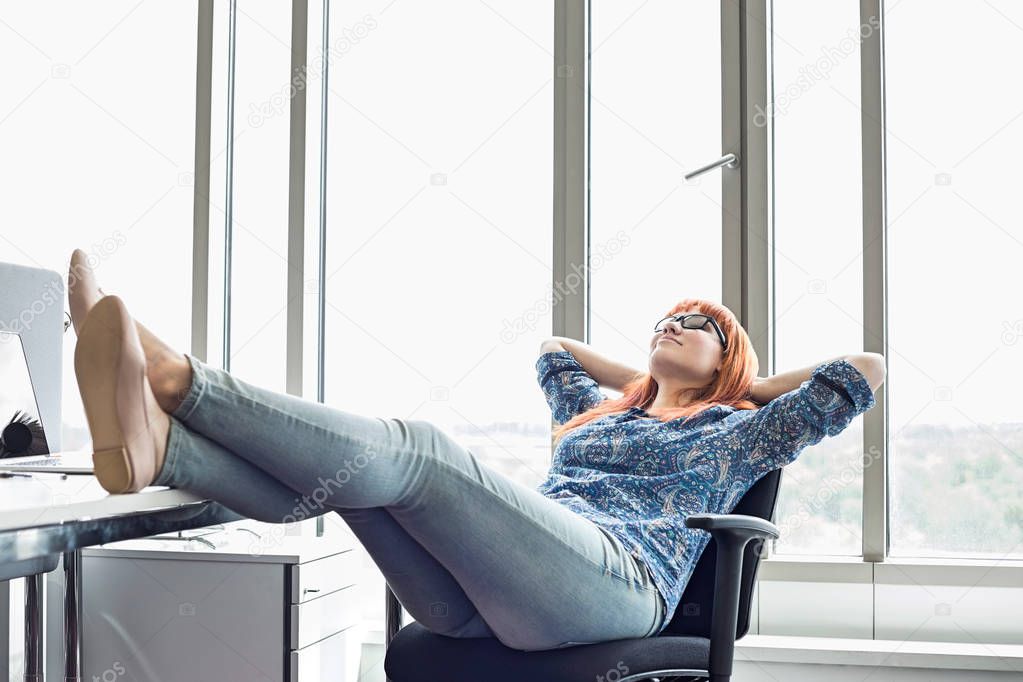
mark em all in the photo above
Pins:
pixel 681 318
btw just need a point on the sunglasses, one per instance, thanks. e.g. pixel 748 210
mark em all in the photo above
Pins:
pixel 694 321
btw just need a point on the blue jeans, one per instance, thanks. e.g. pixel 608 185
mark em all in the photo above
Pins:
pixel 467 551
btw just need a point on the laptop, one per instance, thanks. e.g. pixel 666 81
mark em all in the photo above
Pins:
pixel 23 444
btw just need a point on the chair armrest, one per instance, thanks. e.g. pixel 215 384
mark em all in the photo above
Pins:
pixel 755 525
pixel 731 532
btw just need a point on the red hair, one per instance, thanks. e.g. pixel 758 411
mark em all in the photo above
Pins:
pixel 731 387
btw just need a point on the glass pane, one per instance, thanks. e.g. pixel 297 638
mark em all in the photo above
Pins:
pixel 818 249
pixel 260 238
pixel 439 223
pixel 954 241
pixel 655 111
pixel 97 128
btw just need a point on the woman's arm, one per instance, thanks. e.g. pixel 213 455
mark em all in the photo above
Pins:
pixel 605 371
pixel 870 365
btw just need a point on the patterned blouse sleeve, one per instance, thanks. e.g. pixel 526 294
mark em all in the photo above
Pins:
pixel 569 390
pixel 823 405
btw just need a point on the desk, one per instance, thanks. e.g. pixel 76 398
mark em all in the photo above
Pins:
pixel 51 515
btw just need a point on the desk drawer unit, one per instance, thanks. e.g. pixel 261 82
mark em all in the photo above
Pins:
pixel 184 611
pixel 324 637
pixel 326 659
pixel 322 617
pixel 323 576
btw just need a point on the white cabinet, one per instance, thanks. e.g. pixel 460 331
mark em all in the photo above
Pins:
pixel 246 608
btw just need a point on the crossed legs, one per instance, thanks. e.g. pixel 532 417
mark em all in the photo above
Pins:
pixel 500 558
pixel 192 461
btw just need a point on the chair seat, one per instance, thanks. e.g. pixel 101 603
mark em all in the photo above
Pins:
pixel 418 655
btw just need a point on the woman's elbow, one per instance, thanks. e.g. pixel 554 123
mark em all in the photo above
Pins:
pixel 551 345
pixel 872 366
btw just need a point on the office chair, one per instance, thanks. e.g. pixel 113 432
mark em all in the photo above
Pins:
pixel 698 644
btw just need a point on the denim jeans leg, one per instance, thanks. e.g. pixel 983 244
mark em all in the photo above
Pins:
pixel 424 587
pixel 199 465
pixel 540 575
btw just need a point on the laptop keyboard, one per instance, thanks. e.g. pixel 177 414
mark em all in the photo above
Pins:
pixel 41 462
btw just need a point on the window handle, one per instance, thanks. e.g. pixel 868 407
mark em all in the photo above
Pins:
pixel 726 161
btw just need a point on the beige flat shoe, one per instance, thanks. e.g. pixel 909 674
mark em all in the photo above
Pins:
pixel 129 430
pixel 82 290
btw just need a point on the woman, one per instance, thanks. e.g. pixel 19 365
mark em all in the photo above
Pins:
pixel 597 552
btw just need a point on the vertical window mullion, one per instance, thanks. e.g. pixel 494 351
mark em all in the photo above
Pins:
pixel 321 314
pixel 321 274
pixel 731 139
pixel 296 199
pixel 747 275
pixel 571 168
pixel 875 422
pixel 570 164
pixel 758 285
pixel 229 184
pixel 201 178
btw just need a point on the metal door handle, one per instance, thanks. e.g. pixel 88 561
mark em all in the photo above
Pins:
pixel 726 161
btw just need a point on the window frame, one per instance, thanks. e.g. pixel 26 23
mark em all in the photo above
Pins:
pixel 748 280
pixel 747 232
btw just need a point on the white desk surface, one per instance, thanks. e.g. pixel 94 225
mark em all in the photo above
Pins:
pixel 48 499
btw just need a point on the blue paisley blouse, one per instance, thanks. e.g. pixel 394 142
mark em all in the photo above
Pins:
pixel 639 478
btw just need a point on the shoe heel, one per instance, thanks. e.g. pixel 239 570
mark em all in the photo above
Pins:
pixel 113 469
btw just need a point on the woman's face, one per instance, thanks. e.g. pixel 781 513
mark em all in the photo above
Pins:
pixel 687 356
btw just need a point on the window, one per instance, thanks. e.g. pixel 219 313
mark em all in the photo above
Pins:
pixel 108 164
pixel 954 242
pixel 439 177
pixel 818 248
pixel 259 263
pixel 439 240
pixel 646 224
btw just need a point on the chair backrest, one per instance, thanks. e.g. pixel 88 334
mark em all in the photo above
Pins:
pixel 692 617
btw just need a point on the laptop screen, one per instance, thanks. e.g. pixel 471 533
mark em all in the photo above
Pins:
pixel 22 431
